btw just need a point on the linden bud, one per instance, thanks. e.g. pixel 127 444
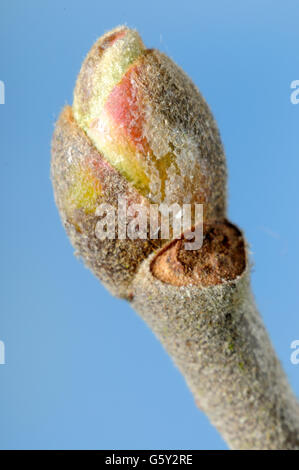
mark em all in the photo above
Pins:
pixel 139 130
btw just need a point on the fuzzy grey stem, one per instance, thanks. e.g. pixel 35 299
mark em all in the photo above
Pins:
pixel 217 339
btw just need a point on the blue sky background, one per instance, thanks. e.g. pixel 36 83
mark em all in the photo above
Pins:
pixel 83 370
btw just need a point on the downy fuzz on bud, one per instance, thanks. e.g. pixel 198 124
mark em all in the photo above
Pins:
pixel 138 129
